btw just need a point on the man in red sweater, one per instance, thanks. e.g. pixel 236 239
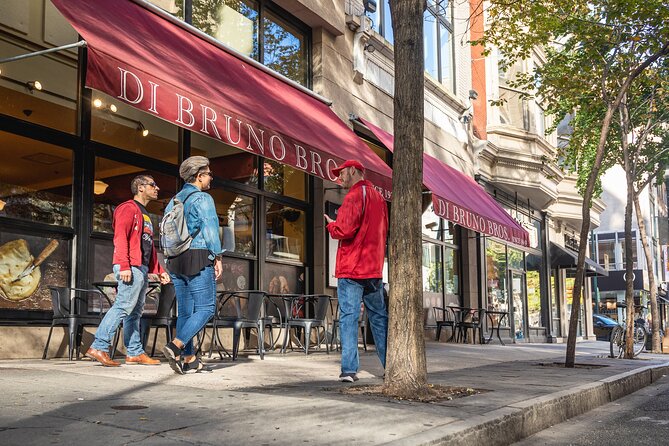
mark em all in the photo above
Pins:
pixel 361 228
pixel 134 258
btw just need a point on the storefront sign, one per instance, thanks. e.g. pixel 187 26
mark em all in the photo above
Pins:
pixel 616 281
pixel 470 220
pixel 195 113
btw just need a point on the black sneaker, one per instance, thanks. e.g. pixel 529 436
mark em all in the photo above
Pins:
pixel 348 377
pixel 171 351
pixel 196 366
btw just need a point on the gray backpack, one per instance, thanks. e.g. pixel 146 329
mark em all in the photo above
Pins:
pixel 174 236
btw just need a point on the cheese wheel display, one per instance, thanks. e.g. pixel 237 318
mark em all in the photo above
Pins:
pixel 15 257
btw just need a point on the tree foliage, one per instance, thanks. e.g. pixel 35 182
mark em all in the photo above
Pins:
pixel 593 53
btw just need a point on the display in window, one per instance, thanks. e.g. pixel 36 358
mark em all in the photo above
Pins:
pixel 28 266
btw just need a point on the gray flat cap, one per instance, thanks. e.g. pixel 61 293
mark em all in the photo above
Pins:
pixel 190 167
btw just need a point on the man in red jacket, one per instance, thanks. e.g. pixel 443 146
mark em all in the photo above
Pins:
pixel 134 258
pixel 361 228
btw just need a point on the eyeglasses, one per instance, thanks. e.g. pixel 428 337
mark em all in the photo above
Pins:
pixel 211 175
pixel 152 184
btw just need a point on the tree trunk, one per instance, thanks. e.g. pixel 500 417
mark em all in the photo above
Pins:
pixel 570 357
pixel 629 265
pixel 657 347
pixel 406 367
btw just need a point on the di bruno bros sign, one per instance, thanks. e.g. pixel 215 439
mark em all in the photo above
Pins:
pixel 197 114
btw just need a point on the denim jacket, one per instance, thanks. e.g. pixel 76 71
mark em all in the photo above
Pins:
pixel 200 213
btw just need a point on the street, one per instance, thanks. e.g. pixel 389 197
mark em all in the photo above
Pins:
pixel 641 418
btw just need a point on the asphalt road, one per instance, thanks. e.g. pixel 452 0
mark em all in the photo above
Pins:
pixel 641 418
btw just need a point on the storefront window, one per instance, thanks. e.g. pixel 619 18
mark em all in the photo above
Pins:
pixel 232 22
pixel 42 89
pixel 430 223
pixel 111 187
pixel 533 278
pixel 283 279
pixel 35 181
pixel 569 295
pixel 433 281
pixel 227 162
pixel 284 180
pixel 286 229
pixel 120 125
pixel 451 272
pixel 496 276
pixel 237 218
pixel 516 259
pixel 236 275
pixel 555 306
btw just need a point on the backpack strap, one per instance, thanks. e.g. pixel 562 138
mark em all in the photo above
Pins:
pixel 186 212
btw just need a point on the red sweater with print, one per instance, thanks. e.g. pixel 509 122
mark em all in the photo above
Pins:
pixel 128 225
pixel 362 236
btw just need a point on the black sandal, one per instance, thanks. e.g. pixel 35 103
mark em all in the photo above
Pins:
pixel 196 366
pixel 171 352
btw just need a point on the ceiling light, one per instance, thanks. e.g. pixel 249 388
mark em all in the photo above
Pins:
pixel 113 108
pixel 97 103
pixel 34 85
pixel 142 129
pixel 99 187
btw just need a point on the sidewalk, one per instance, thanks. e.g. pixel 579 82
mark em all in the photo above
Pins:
pixel 292 399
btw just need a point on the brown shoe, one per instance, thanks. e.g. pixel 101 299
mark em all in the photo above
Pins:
pixel 143 359
pixel 102 357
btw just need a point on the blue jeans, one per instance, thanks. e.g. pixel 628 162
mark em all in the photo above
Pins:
pixel 351 292
pixel 128 307
pixel 196 301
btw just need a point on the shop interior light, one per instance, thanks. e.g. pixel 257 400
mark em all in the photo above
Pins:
pixel 34 85
pixel 142 129
pixel 2 204
pixel 97 103
pixel 99 187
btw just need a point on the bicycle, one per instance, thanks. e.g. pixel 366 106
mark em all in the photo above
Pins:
pixel 619 333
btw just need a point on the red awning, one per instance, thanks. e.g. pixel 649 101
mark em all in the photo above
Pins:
pixel 138 55
pixel 458 198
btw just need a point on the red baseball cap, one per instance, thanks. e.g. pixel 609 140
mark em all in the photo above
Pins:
pixel 348 163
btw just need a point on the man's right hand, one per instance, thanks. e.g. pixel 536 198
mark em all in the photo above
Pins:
pixel 126 276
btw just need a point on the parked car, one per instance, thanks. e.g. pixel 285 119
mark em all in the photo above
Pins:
pixel 602 326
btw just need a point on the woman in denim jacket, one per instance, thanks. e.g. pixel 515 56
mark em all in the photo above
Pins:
pixel 195 271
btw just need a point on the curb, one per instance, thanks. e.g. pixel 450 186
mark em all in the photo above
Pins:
pixel 520 420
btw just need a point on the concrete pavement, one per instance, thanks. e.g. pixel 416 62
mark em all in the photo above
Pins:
pixel 289 399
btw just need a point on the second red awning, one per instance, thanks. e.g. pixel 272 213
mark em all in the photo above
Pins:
pixel 147 59
pixel 458 198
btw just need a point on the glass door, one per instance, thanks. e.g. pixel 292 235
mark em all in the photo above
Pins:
pixel 518 294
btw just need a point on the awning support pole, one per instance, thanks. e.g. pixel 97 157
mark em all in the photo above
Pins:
pixel 47 51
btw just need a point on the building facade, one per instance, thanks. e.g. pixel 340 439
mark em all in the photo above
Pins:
pixel 71 145
pixel 609 244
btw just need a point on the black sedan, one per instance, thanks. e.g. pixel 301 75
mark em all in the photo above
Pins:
pixel 602 326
